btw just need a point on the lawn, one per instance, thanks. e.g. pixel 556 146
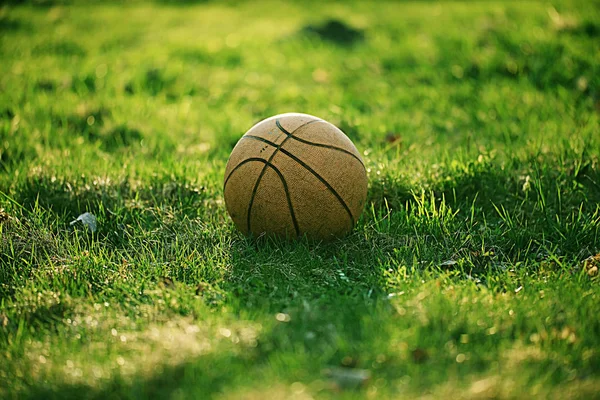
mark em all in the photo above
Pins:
pixel 472 273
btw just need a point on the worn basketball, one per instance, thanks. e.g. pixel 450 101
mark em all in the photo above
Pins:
pixel 295 175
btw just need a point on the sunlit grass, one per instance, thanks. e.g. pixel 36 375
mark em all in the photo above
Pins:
pixel 465 277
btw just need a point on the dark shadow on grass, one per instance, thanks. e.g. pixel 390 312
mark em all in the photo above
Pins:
pixel 7 113
pixel 47 317
pixel 119 137
pixel 334 31
pixel 84 84
pixel 45 85
pixel 163 208
pixel 193 55
pixel 590 29
pixel 27 241
pixel 153 82
pixel 92 124
pixel 271 272
pixel 67 198
pixel 60 48
pixel 8 24
pixel 86 124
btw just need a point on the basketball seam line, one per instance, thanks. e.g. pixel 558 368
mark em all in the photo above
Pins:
pixel 309 169
pixel 282 129
pixel 257 184
pixel 327 146
pixel 283 182
pixel 272 143
pixel 262 173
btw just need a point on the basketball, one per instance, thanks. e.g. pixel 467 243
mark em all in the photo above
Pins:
pixel 295 175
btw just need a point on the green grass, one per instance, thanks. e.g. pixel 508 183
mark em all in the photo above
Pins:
pixel 479 125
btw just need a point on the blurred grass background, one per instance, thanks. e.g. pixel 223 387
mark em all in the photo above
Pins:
pixel 478 122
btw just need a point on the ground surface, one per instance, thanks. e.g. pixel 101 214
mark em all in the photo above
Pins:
pixel 479 125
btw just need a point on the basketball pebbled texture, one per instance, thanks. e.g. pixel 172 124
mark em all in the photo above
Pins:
pixel 293 175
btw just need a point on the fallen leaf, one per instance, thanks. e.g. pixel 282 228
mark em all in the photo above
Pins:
pixel 419 355
pixel 448 263
pixel 392 138
pixel 88 219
